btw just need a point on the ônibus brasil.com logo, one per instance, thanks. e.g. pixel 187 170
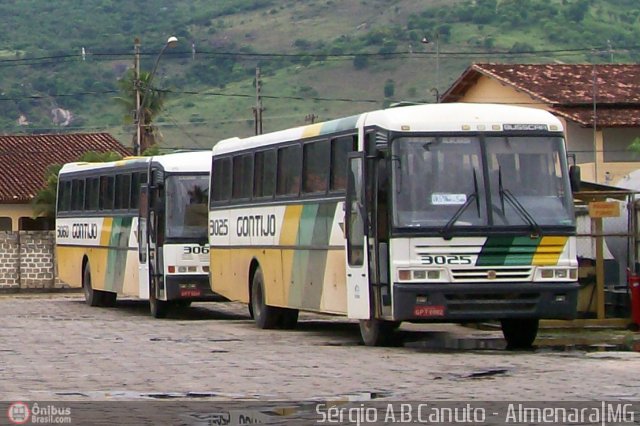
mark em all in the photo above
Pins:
pixel 18 413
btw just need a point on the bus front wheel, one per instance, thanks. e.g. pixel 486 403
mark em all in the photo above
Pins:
pixel 92 297
pixel 376 332
pixel 158 308
pixel 520 333
pixel 264 315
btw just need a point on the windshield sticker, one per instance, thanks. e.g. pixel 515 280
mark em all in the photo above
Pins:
pixel 441 199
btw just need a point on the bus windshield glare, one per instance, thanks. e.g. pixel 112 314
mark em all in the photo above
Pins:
pixel 451 182
pixel 186 204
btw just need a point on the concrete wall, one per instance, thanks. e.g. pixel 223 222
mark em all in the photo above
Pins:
pixel 27 261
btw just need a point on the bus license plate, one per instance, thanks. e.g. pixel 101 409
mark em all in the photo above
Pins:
pixel 190 292
pixel 428 311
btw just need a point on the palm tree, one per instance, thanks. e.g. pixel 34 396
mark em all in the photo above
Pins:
pixel 152 105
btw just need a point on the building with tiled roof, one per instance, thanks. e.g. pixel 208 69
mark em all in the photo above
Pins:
pixel 24 161
pixel 598 104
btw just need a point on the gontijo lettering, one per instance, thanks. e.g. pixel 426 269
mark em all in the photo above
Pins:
pixel 84 231
pixel 256 226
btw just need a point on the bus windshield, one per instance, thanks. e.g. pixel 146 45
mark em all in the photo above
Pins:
pixel 186 206
pixel 450 182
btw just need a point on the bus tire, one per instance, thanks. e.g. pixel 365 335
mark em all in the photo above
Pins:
pixel 92 297
pixel 376 332
pixel 264 315
pixel 288 318
pixel 158 308
pixel 520 333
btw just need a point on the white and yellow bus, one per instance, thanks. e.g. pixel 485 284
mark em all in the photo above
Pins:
pixel 136 227
pixel 448 213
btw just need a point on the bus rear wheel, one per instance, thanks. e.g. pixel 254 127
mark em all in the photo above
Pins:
pixel 376 332
pixel 264 315
pixel 520 333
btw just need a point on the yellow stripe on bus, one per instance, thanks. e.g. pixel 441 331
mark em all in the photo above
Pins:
pixel 311 130
pixel 290 224
pixel 549 251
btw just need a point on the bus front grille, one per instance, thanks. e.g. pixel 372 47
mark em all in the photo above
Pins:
pixel 500 274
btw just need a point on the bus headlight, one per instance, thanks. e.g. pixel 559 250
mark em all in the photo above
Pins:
pixel 558 273
pixel 419 274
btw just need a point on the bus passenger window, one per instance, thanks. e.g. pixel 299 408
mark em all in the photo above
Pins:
pixel 264 176
pixel 316 166
pixel 289 161
pixel 92 194
pixel 340 148
pixel 123 185
pixel 221 181
pixel 106 192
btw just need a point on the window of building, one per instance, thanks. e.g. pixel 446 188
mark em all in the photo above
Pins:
pixel 37 224
pixel 6 224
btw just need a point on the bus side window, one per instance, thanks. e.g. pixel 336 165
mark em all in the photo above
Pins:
pixel 123 197
pixel 77 194
pixel 340 148
pixel 106 192
pixel 92 194
pixel 221 182
pixel 289 161
pixel 242 176
pixel 264 175
pixel 64 197
pixel 315 166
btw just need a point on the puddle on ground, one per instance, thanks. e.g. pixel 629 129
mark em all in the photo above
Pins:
pixel 584 345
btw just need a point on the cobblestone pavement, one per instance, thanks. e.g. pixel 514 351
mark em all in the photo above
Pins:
pixel 56 348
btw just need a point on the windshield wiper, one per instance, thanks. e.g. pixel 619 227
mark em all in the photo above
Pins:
pixel 505 194
pixel 446 230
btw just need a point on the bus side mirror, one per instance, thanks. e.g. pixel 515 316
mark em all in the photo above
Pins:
pixel 574 178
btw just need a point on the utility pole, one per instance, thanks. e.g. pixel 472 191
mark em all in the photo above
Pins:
pixel 136 86
pixel 257 110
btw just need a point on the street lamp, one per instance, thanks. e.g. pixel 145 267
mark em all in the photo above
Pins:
pixel 426 40
pixel 140 122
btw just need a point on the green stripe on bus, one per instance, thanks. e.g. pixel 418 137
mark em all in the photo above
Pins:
pixel 309 265
pixel 340 125
pixel 507 251
pixel 117 259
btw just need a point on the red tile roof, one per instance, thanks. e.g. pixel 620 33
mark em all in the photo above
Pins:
pixel 568 89
pixel 24 159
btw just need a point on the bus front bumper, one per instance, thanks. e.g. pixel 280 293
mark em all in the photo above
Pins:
pixel 484 301
pixel 189 287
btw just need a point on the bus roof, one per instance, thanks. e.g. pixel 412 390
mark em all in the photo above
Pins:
pixel 453 117
pixel 192 161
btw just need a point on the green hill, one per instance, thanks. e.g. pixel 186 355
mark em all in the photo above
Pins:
pixel 320 58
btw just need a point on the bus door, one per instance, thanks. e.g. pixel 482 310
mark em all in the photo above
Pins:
pixel 358 303
pixel 143 243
